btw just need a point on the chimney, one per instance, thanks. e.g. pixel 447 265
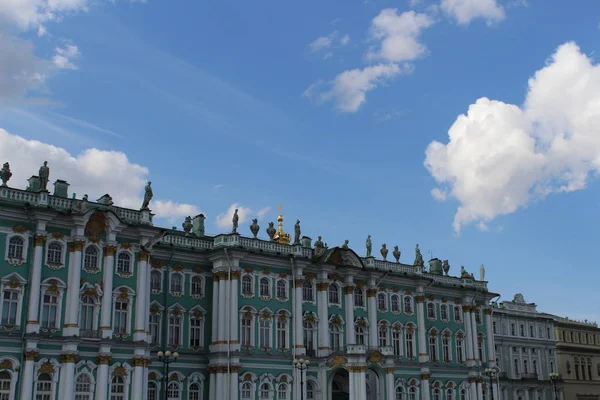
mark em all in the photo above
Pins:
pixel 34 183
pixel 61 188
pixel 198 225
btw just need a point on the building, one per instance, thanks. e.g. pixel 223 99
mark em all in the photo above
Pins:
pixel 92 291
pixel 578 357
pixel 525 351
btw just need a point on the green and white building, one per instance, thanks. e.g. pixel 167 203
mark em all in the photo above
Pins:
pixel 92 291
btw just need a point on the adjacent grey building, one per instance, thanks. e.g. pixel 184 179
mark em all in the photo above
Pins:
pixel 525 351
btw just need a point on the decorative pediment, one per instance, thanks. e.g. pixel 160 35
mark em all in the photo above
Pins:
pixel 337 361
pixel 341 257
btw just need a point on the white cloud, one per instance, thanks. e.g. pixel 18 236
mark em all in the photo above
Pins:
pixel 348 90
pixel 345 40
pixel 93 172
pixel 501 156
pixel 323 42
pixel 224 220
pixel 439 194
pixel 399 35
pixel 464 11
pixel 65 57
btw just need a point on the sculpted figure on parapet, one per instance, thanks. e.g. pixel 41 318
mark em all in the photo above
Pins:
pixel 44 175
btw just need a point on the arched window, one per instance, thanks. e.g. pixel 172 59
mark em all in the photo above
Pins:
pixel 360 334
pixel 124 263
pixel 282 332
pixel 196 286
pixel 281 289
pixel 50 310
pixel 409 337
pixel 457 314
pixel 395 303
pixel 121 317
pixel 334 294
pixel 359 297
pixel 460 348
pixel 535 369
pixel 152 391
pixel 265 287
pixel 86 315
pixel 397 340
pixel 264 330
pixel 307 291
pixel 400 393
pixel 310 390
pixel 381 303
pixel 282 392
pixel 444 312
pixel 15 247
pixel 265 391
pixel 4 385
pixel 433 353
pixel 173 392
pixel 383 335
pixel 246 330
pixel 516 365
pixel 55 250
pixel 246 391
pixel 446 347
pixel 10 304
pixel 117 388
pixel 480 350
pixel 412 393
pixel 430 310
pixel 408 305
pixel 175 322
pixel 525 365
pixel 449 394
pixel 463 394
pixel 437 395
pixel 176 283
pixel 478 319
pixel 194 392
pixel 196 331
pixel 247 288
pixel 334 337
pixel 309 336
pixel 155 281
pixel 44 387
pixel 90 259
pixel 83 387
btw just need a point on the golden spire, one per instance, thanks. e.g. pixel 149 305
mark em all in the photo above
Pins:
pixel 280 236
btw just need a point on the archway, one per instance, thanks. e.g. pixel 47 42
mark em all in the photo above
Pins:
pixel 340 385
pixel 375 385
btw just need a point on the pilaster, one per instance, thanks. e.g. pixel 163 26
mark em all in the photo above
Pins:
pixel 66 386
pixel 298 324
pixel 420 300
pixel 372 314
pixel 349 301
pixel 33 325
pixel 109 261
pixel 29 356
pixel 425 387
pixel 141 308
pixel 71 327
pixel 103 359
pixel 323 331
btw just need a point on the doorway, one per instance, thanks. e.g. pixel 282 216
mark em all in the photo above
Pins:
pixel 340 385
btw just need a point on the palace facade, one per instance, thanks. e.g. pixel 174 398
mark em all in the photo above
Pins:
pixel 525 351
pixel 92 291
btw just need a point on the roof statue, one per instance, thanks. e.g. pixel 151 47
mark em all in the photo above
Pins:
pixel 319 242
pixel 280 236
pixel 297 232
pixel 254 228
pixel 44 175
pixel 519 298
pixel 384 251
pixel 418 257
pixel 5 173
pixel 464 274
pixel 369 245
pixel 445 267
pixel 482 272
pixel 187 225
pixel 235 220
pixel 396 254
pixel 147 196
pixel 345 245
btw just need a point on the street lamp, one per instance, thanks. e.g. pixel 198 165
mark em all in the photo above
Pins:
pixel 301 365
pixel 554 378
pixel 492 373
pixel 167 358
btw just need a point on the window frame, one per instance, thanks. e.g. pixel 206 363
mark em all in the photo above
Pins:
pixel 381 302
pixel 243 282
pixel 359 293
pixel 60 263
pixel 333 296
pixel 128 273
pixel 308 287
pixel 123 294
pixel 411 304
pixel 24 249
pixel 195 286
pixel 99 257
pixel 285 295
pixel 265 282
pixel 173 275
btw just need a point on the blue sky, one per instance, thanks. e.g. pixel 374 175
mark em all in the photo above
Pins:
pixel 329 108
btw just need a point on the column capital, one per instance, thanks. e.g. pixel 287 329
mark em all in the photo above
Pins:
pixel 420 299
pixel 143 256
pixel 138 361
pixel 76 245
pixel 31 355
pixel 425 376
pixel 39 240
pixel 299 282
pixel 69 358
pixel 357 368
pixel 467 308
pixel 104 358
pixel 234 369
pixel 349 289
pixel 488 311
pixel 110 250
pixel 236 274
pixel 371 292
pixel 390 370
pixel 322 286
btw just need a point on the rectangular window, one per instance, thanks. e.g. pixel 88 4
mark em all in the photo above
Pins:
pixel 382 337
pixel 397 343
pixel 446 348
pixel 494 327
pixel 410 345
pixel 513 331
pixel 49 311
pixel 154 328
pixel 460 350
pixel 307 291
pixel 86 318
pixel 264 338
pixel 246 332
pixel 9 307
pixel 120 322
pixel 522 330
pixel 433 348
pixel 531 331
pixel 174 331
pixel 195 333
pixel 282 334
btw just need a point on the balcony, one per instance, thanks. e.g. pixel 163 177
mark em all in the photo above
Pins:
pixel 88 334
pixel 530 376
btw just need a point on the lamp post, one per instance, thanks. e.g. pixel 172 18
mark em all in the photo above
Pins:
pixel 492 373
pixel 167 358
pixel 554 378
pixel 301 365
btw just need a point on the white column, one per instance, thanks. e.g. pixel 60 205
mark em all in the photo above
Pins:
pixel 147 311
pixel 26 391
pixel 372 311
pixel 102 376
pixel 475 343
pixel 233 383
pixel 219 393
pixel 352 385
pixel 33 325
pixel 425 391
pixel 473 389
pixel 66 386
pixel 233 310
pixel 145 383
pixel 138 379
pixel 389 382
pixel 349 303
pixel 526 393
pixel 490 337
pixel 222 308
pixel 480 390
pixel 298 324
pixel 141 308
pixel 468 333
pixel 73 286
pixel 423 357
pixel 215 309
pixel 323 317
pixel 107 279
pixel 362 378
pixel 212 383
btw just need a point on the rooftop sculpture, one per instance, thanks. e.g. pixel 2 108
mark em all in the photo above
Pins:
pixel 235 220
pixel 5 173
pixel 44 175
pixel 147 196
